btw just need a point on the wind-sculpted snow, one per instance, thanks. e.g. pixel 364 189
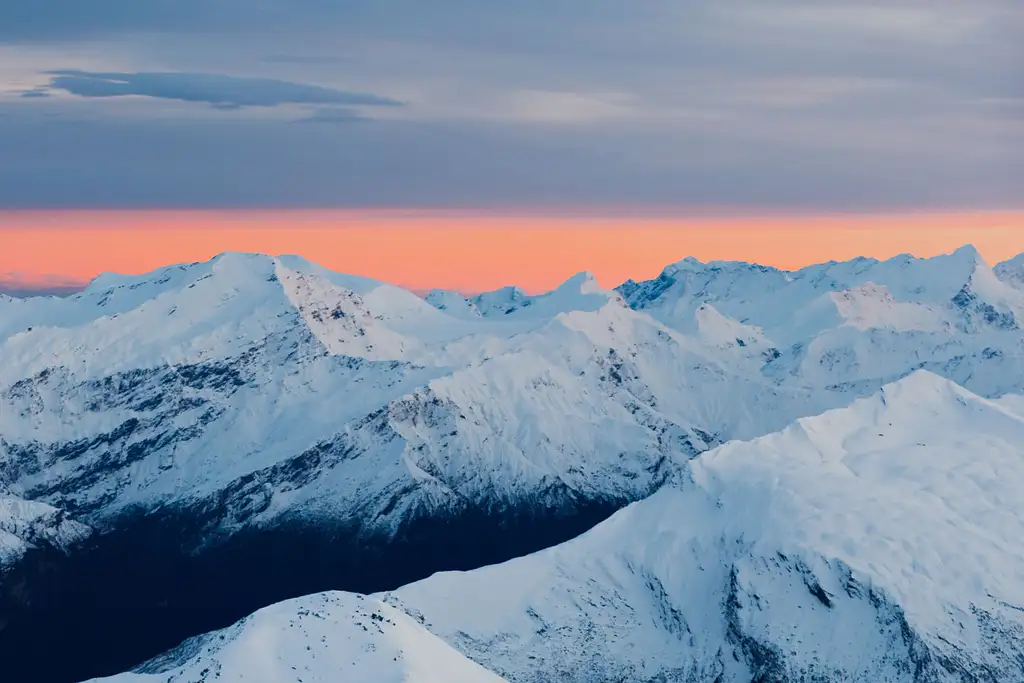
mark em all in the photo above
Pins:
pixel 879 542
pixel 321 638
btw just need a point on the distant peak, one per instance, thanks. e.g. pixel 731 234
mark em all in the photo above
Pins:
pixel 690 262
pixel 241 264
pixel 241 257
pixel 969 254
pixel 920 387
pixel 919 379
pixel 580 278
pixel 509 291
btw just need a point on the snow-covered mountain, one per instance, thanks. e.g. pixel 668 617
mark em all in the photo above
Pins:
pixel 213 417
pixel 1012 402
pixel 579 293
pixel 855 325
pixel 1012 272
pixel 879 542
pixel 30 525
pixel 321 638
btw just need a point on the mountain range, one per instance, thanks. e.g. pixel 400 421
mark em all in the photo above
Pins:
pixel 183 448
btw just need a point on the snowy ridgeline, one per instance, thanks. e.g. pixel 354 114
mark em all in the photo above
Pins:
pixel 280 387
pixel 878 542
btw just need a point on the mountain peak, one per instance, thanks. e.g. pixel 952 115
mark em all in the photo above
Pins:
pixel 920 384
pixel 970 254
pixel 333 636
pixel 690 263
pixel 583 281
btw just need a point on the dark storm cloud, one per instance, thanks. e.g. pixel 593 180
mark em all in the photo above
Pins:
pixel 222 91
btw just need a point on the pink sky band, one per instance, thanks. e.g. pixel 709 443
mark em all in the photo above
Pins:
pixel 477 250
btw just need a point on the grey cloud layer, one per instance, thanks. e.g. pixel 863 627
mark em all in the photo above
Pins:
pixel 406 163
pixel 822 103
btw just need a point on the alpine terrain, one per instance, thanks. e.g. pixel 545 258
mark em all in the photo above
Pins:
pixel 816 475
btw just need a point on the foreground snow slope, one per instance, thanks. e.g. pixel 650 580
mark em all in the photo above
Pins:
pixel 879 542
pixel 322 638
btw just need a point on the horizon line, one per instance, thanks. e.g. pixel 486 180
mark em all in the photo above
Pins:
pixel 55 285
pixel 468 251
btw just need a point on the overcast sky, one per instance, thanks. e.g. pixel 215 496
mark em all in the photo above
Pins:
pixel 809 104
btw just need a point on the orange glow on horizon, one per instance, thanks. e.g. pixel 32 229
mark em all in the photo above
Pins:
pixel 477 251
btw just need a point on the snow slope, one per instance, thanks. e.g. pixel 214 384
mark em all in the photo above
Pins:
pixel 1012 272
pixel 579 293
pixel 234 370
pixel 879 542
pixel 222 416
pixel 25 525
pixel 1012 402
pixel 322 638
pixel 256 387
pixel 859 324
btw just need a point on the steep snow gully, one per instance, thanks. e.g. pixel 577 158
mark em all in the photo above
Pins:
pixel 181 449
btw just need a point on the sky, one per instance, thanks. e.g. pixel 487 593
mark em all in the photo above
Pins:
pixel 504 109
pixel 474 251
